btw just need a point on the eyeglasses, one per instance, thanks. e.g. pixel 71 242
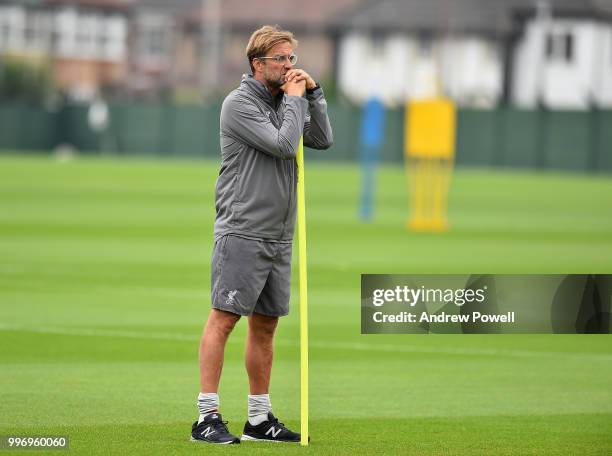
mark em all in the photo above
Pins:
pixel 282 58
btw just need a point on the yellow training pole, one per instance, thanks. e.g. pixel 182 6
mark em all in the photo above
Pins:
pixel 301 216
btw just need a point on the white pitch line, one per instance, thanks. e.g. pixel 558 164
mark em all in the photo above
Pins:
pixel 462 351
pixel 399 348
pixel 100 333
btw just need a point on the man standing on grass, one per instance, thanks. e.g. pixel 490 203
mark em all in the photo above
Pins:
pixel 262 122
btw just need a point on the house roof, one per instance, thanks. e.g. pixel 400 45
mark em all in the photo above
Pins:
pixel 481 16
pixel 427 15
pixel 167 6
pixel 592 8
pixel 314 14
pixel 106 4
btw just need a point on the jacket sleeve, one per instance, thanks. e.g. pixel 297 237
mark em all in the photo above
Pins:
pixel 317 129
pixel 242 120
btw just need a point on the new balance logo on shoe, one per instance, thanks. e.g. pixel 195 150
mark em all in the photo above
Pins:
pixel 208 431
pixel 273 431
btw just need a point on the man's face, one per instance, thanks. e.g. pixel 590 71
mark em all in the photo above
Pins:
pixel 272 71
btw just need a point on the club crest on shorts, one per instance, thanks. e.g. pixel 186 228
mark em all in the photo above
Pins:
pixel 230 297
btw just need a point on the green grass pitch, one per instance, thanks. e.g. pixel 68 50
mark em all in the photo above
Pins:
pixel 104 285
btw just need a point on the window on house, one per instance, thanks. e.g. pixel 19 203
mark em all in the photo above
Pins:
pixel 103 38
pixel 569 47
pixel 377 41
pixel 66 29
pixel 36 30
pixel 5 32
pixel 55 39
pixel 87 31
pixel 560 46
pixel 154 42
pixel 114 45
pixel 426 44
pixel 29 33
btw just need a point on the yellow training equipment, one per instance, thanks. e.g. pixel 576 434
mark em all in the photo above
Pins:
pixel 429 149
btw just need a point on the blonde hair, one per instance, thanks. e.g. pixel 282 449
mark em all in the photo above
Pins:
pixel 264 39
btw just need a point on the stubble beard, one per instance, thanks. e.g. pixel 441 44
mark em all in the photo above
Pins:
pixel 275 83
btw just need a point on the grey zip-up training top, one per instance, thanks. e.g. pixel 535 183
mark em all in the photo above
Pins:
pixel 256 187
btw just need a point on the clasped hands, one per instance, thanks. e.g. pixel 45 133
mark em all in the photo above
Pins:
pixel 297 81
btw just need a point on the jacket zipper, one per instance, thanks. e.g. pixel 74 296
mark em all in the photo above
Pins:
pixel 290 162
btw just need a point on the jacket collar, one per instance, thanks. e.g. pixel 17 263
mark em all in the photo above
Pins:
pixel 260 90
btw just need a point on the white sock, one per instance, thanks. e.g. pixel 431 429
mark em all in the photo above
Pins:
pixel 259 406
pixel 207 404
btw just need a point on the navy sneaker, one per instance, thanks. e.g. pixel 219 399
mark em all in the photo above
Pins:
pixel 269 431
pixel 213 430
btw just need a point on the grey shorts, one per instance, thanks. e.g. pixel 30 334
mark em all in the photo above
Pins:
pixel 251 276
